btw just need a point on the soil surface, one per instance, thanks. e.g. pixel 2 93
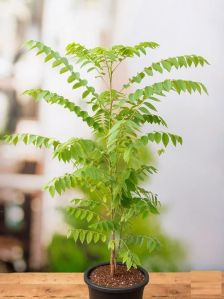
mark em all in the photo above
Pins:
pixel 123 278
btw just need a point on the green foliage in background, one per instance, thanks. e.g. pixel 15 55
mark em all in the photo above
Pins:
pixel 110 166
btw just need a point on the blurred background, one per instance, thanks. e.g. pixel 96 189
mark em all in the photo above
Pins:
pixel 190 181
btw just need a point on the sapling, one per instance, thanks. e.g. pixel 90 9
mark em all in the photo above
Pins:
pixel 109 165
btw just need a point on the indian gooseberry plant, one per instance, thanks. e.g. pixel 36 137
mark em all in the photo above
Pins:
pixel 110 165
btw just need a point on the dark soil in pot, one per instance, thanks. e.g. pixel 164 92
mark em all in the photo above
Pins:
pixel 124 284
pixel 122 279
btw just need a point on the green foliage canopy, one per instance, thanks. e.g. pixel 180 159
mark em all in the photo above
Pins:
pixel 109 166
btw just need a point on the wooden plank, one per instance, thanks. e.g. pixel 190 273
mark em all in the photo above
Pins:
pixel 194 285
pixel 167 290
pixel 41 278
pixel 32 290
pixel 206 283
pixel 170 277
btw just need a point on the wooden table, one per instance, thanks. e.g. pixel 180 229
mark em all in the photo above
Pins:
pixel 184 285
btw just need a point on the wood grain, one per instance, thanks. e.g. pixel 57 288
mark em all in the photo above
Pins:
pixel 184 285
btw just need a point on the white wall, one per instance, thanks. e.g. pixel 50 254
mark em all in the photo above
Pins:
pixel 191 178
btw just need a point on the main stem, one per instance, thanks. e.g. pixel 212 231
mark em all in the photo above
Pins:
pixel 113 235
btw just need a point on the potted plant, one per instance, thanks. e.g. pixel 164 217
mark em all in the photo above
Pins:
pixel 109 166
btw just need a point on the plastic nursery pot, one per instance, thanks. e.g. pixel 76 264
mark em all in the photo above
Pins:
pixel 100 292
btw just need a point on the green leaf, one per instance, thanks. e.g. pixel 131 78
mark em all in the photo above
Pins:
pixel 157 67
pixel 168 64
pixel 103 238
pixel 171 85
pixel 143 109
pixel 76 235
pixel 89 237
pixel 165 139
pixel 82 236
pixel 64 69
pixel 60 60
pixel 173 139
pixel 157 137
pixel 35 140
pixel 96 237
pixel 56 63
pixel 150 106
pixel 53 98
pixel 48 57
pixel 161 151
pixel 167 85
pixel 86 93
pixel 71 78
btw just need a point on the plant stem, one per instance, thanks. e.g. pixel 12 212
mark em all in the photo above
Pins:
pixel 110 73
pixel 113 257
pixel 113 236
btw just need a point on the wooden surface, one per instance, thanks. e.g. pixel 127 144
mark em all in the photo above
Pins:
pixel 194 285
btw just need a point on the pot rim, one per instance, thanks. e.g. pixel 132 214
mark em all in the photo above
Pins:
pixel 114 290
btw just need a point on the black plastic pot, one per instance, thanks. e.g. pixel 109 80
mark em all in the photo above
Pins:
pixel 100 292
